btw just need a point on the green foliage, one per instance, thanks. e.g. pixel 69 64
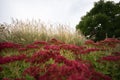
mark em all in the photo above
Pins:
pixel 13 70
pixel 29 77
pixel 102 21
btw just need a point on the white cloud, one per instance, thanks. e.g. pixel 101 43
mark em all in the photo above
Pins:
pixel 59 11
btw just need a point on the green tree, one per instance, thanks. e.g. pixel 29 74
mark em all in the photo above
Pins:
pixel 101 21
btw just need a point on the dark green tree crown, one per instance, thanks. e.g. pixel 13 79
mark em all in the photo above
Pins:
pixel 102 21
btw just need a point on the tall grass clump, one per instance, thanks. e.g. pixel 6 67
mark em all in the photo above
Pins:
pixel 26 32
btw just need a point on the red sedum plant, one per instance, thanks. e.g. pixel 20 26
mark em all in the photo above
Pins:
pixel 52 60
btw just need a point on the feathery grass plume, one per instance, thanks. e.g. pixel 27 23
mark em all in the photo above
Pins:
pixel 26 32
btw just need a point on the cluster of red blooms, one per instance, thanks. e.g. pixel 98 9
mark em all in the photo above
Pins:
pixel 72 70
pixel 42 56
pixel 4 45
pixel 111 58
pixel 52 47
pixel 8 59
pixel 40 42
pixel 115 56
pixel 108 42
pixel 32 71
pixel 14 79
pixel 32 46
pixel 68 70
pixel 1 69
pixel 113 40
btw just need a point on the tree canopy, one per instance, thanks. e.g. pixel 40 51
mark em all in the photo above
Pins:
pixel 103 20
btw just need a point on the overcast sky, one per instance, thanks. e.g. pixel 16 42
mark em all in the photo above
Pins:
pixel 52 11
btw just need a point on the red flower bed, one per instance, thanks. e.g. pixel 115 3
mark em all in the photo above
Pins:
pixel 47 62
